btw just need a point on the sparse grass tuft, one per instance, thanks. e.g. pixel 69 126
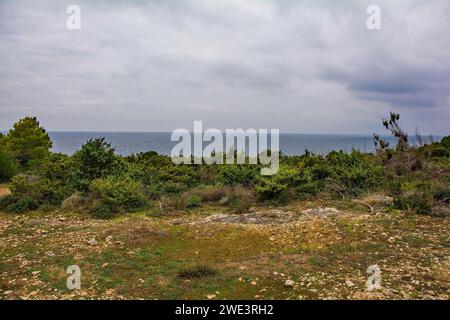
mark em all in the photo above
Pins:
pixel 197 271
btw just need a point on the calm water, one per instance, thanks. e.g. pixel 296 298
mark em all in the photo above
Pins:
pixel 129 143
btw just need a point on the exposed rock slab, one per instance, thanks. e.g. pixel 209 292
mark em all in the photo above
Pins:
pixel 320 212
pixel 261 217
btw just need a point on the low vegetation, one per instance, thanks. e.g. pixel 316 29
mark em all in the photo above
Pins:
pixel 139 227
pixel 106 184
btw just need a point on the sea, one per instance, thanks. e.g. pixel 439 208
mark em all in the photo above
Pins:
pixel 127 143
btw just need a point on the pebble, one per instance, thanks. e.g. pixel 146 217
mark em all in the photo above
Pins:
pixel 289 283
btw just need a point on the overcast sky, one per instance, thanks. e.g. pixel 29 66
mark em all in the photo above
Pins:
pixel 300 66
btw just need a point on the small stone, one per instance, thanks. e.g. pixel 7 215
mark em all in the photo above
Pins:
pixel 78 256
pixel 7 292
pixel 253 283
pixel 35 273
pixel 349 283
pixel 105 265
pixel 93 242
pixel 108 238
pixel 289 283
pixel 210 296
pixel 272 238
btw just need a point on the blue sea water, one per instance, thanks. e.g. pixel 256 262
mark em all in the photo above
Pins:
pixel 127 143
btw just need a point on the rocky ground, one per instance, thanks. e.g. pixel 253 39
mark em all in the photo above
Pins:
pixel 307 250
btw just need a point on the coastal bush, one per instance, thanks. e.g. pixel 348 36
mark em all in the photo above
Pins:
pixel 239 174
pixel 7 167
pixel 119 192
pixel 102 211
pixel 275 187
pixel 97 179
pixel 96 159
pixel 193 202
pixel 354 173
pixel 441 194
pixel 17 204
pixel 308 186
pixel 41 190
pixel 419 203
pixel 187 175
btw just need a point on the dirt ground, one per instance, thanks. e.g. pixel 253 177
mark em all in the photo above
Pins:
pixel 308 250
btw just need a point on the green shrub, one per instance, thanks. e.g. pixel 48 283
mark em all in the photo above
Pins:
pixel 42 190
pixel 418 203
pixel 275 187
pixel 193 202
pixel 270 189
pixel 118 192
pixel 186 175
pixel 96 159
pixel 440 151
pixel 7 167
pixel 173 188
pixel 102 211
pixel 354 173
pixel 6 201
pixel 308 185
pixel 15 204
pixel 239 174
pixel 445 142
pixel 393 186
pixel 441 193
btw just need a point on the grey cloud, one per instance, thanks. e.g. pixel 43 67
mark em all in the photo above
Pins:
pixel 301 66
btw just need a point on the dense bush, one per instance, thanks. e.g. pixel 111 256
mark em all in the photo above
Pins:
pixel 275 187
pixel 95 160
pixel 419 203
pixel 17 204
pixel 119 193
pixel 42 190
pixel 7 166
pixel 95 179
pixel 239 174
pixel 102 211
pixel 354 173
pixel 193 202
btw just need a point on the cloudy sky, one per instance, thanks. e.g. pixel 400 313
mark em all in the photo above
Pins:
pixel 300 66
